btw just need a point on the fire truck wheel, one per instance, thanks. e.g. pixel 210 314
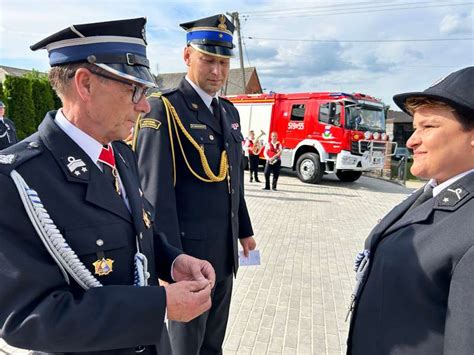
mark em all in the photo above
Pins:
pixel 309 169
pixel 348 175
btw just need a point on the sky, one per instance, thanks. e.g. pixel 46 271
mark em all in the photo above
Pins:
pixel 379 48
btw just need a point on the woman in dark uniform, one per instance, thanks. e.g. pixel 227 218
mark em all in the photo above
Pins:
pixel 416 288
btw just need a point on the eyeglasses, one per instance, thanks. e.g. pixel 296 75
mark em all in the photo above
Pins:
pixel 138 91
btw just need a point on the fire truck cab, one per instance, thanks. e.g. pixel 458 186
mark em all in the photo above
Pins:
pixel 321 132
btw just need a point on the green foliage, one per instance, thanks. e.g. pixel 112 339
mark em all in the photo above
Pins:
pixel 2 96
pixel 43 98
pixel 20 105
pixel 28 98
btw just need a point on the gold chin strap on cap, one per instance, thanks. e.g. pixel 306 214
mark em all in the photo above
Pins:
pixel 174 122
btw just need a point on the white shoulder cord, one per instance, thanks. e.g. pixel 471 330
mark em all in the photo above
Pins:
pixel 51 237
pixel 57 246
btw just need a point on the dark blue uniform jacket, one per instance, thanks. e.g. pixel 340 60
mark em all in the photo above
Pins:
pixel 39 310
pixel 202 219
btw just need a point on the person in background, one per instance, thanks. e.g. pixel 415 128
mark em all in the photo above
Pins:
pixel 272 153
pixel 252 148
pixel 190 157
pixel 416 284
pixel 7 129
pixel 79 259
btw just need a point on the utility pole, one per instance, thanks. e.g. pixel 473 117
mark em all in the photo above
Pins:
pixel 236 22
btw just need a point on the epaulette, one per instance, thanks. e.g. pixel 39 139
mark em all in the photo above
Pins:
pixel 169 91
pixel 14 156
pixel 158 93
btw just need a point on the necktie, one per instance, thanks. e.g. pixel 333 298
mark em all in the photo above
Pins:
pixel 425 196
pixel 107 159
pixel 216 110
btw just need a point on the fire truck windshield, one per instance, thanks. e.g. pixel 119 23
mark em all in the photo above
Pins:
pixel 365 118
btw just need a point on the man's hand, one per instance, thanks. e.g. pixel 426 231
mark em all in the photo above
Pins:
pixel 185 300
pixel 248 244
pixel 188 268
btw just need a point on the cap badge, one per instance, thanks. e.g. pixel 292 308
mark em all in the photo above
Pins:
pixel 222 26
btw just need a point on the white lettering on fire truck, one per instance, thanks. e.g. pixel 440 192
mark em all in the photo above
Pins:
pixel 296 125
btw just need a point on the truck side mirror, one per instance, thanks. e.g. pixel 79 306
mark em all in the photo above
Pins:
pixel 332 111
pixel 334 118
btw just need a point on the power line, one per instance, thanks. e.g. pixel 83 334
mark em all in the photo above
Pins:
pixel 350 11
pixel 337 5
pixel 362 40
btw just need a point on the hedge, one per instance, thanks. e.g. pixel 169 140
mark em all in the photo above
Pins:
pixel 28 98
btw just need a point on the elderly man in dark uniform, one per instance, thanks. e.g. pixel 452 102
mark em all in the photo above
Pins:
pixel 190 157
pixel 79 259
pixel 7 129
pixel 415 279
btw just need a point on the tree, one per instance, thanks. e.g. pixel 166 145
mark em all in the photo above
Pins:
pixel 2 96
pixel 43 100
pixel 20 105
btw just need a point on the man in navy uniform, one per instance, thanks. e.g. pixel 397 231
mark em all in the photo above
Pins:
pixel 190 157
pixel 7 129
pixel 80 261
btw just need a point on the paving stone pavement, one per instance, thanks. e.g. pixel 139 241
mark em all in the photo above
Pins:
pixel 308 235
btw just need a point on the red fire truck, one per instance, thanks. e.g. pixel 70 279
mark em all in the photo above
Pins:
pixel 321 132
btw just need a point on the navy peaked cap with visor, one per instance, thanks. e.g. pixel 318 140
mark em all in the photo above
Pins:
pixel 118 47
pixel 456 90
pixel 211 35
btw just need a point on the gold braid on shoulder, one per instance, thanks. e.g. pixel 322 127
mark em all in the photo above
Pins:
pixel 174 122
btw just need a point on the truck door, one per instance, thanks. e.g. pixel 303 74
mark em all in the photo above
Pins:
pixel 329 129
pixel 291 123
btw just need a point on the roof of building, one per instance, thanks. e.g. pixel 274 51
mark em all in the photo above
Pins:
pixel 5 70
pixel 234 81
pixel 398 117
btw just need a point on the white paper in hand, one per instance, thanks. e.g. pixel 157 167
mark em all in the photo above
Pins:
pixel 253 258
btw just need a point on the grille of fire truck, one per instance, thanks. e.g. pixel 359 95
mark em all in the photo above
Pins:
pixel 365 146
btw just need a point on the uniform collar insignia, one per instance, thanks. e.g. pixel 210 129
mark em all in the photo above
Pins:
pixel 452 197
pixel 77 168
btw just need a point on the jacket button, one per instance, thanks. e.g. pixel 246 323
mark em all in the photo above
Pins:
pixel 211 137
pixel 141 235
pixel 232 214
pixel 33 145
pixel 99 242
pixel 233 191
pixel 226 144
pixel 183 234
